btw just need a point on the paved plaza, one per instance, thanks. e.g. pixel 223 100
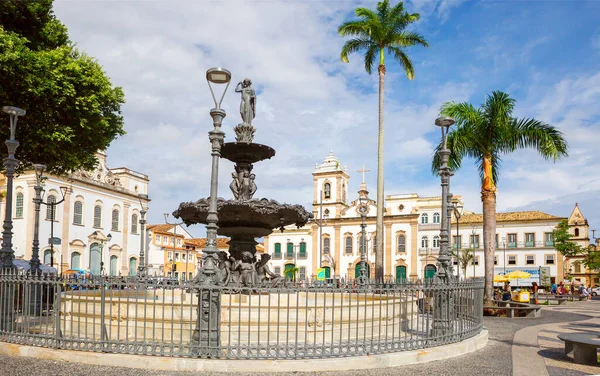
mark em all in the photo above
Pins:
pixel 516 347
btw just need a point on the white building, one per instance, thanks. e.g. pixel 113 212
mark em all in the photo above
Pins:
pixel 96 204
pixel 411 230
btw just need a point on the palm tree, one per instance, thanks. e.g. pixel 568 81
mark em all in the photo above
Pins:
pixel 464 257
pixel 375 33
pixel 485 134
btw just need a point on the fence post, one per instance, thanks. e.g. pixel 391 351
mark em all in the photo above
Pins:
pixel 56 309
pixel 7 299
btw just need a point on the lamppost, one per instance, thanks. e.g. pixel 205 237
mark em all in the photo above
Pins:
pixel 443 301
pixel 504 253
pixel 102 244
pixel 52 204
pixel 457 215
pixel 207 333
pixel 174 224
pixel 363 206
pixel 142 266
pixel 7 254
pixel 34 264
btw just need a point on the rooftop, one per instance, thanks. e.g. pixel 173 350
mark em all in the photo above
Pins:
pixel 532 215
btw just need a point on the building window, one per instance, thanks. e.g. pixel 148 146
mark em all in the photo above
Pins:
pixel 530 260
pixel 157 238
pixel 512 260
pixel 576 232
pixel 512 240
pixel 496 241
pixel 277 252
pixel 327 190
pixel 326 244
pixel 302 273
pixel 550 259
pixel 474 239
pixel 183 257
pixel 132 266
pixel 75 260
pixel 19 205
pixel 78 213
pixel 530 239
pixel 170 256
pixel 290 250
pixel 548 239
pixel 495 260
pixel 302 249
pixel 348 244
pixel 424 218
pixel 577 266
pixel 50 212
pixel 424 242
pixel 115 220
pixel 97 216
pixel 401 243
pixel 436 241
pixel 176 256
pixel 456 241
pixel 436 217
pixel 475 260
pixel 277 270
pixel 134 223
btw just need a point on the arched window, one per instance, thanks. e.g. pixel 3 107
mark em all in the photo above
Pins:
pixel 78 213
pixel 113 266
pixel 326 244
pixel 115 220
pixel 436 217
pixel 134 223
pixel 132 266
pixel 436 241
pixel 576 232
pixel 50 209
pixel 95 252
pixel 75 260
pixel 424 218
pixel 401 243
pixel 327 190
pixel 47 257
pixel 424 242
pixel 19 205
pixel 97 216
pixel 348 244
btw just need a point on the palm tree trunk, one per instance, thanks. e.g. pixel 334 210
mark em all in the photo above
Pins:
pixel 380 196
pixel 488 198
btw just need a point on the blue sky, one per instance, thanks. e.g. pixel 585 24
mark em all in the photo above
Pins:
pixel 544 53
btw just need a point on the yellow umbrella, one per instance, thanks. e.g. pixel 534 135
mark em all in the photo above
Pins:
pixel 517 274
pixel 501 278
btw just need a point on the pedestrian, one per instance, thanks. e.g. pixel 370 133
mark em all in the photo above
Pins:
pixel 506 296
pixel 553 288
pixel 584 293
pixel 534 289
pixel 589 291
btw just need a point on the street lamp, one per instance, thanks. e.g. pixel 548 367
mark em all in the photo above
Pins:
pixel 52 204
pixel 504 253
pixel 443 315
pixel 457 215
pixel 175 241
pixel 7 254
pixel 142 266
pixel 363 206
pixel 34 264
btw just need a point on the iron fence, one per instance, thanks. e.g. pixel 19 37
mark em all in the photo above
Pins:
pixel 287 321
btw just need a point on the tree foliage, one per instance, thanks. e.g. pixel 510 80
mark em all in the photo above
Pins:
pixel 562 240
pixel 73 110
pixel 465 256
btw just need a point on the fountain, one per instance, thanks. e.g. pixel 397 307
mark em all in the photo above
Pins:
pixel 244 218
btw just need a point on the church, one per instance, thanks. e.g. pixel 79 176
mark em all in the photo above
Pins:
pixel 332 241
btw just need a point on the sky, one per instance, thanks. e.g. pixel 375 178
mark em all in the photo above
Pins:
pixel 545 54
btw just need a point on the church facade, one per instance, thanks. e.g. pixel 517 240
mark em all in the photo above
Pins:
pixel 411 236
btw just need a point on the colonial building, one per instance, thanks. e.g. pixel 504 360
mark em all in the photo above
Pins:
pixel 96 225
pixel 411 230
pixel 579 228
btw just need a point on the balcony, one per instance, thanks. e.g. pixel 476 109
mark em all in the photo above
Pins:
pixel 549 243
pixel 429 226
pixel 429 251
pixel 512 244
pixel 529 244
pixel 277 255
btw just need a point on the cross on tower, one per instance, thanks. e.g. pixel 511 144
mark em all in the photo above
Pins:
pixel 363 172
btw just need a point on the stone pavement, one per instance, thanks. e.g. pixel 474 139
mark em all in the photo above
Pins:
pixel 525 346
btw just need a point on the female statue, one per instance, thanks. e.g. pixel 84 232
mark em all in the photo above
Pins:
pixel 248 103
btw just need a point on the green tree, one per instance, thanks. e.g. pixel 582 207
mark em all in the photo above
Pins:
pixel 485 134
pixel 464 257
pixel 562 240
pixel 377 33
pixel 72 108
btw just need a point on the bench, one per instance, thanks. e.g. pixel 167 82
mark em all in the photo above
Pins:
pixel 558 299
pixel 584 347
pixel 531 310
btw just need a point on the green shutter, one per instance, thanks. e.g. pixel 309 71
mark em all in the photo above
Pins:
pixel 278 249
pixel 290 250
pixel 303 249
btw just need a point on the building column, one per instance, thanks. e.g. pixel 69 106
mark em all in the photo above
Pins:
pixel 28 215
pixel 414 264
pixel 336 248
pixel 388 255
pixel 560 267
pixel 125 251
pixel 63 258
pixel 315 250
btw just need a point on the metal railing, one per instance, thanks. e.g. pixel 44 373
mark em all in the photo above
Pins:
pixel 286 321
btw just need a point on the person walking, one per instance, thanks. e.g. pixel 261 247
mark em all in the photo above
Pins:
pixel 534 289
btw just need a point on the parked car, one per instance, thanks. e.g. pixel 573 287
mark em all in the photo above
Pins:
pixel 596 291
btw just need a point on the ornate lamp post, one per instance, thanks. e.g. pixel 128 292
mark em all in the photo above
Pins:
pixel 7 254
pixel 207 333
pixel 52 204
pixel 34 264
pixel 442 320
pixel 142 266
pixel 108 238
pixel 174 224
pixel 363 206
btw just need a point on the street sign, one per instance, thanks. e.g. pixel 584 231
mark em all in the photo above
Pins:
pixel 321 274
pixel 54 241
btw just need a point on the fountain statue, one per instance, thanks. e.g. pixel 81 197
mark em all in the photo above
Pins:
pixel 245 218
